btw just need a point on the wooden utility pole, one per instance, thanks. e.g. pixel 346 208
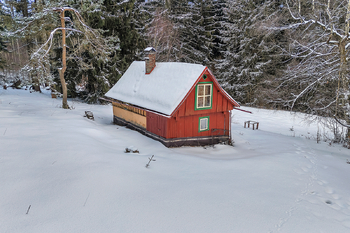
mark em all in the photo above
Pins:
pixel 64 60
pixel 45 48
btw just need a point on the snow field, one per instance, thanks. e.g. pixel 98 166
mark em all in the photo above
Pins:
pixel 74 174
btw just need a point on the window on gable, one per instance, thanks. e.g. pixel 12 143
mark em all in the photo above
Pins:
pixel 204 96
pixel 203 124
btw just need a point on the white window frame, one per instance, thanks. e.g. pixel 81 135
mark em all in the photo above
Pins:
pixel 203 121
pixel 204 96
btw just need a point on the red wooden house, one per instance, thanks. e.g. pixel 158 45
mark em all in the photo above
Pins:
pixel 175 103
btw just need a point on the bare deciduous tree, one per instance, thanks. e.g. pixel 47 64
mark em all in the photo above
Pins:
pixel 71 27
pixel 319 79
pixel 163 36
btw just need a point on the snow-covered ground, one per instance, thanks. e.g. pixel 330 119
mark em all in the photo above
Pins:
pixel 74 175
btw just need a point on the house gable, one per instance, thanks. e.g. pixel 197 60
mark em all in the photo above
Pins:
pixel 220 100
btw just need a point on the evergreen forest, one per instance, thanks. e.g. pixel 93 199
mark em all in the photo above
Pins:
pixel 277 54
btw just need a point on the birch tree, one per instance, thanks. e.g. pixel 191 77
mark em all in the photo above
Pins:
pixel 161 32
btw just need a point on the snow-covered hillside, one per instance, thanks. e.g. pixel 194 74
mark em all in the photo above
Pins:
pixel 75 177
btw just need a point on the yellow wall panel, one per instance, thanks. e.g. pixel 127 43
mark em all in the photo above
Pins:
pixel 132 117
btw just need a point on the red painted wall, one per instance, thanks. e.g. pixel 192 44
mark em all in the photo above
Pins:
pixel 185 121
pixel 156 124
pixel 219 104
pixel 187 126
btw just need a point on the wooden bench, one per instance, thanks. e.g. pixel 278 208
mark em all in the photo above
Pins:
pixel 253 123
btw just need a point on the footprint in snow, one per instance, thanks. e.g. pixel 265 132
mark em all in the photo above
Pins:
pixel 335 196
pixel 320 182
pixel 328 202
pixel 323 182
pixel 329 190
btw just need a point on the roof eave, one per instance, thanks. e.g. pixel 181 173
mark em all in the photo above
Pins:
pixel 109 99
pixel 189 92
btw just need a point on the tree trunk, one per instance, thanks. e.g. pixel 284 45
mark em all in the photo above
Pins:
pixel 343 88
pixel 345 81
pixel 64 63
pixel 24 8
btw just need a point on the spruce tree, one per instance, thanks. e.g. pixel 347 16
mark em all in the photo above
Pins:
pixel 249 62
pixel 2 42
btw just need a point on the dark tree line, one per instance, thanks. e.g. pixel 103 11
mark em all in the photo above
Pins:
pixel 227 36
pixel 266 53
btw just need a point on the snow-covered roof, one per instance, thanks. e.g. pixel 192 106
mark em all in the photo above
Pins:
pixel 162 90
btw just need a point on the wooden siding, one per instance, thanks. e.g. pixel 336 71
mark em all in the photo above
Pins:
pixel 185 121
pixel 130 116
pixel 130 108
pixel 219 102
pixel 188 126
pixel 157 124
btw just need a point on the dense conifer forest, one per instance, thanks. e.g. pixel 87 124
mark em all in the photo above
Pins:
pixel 290 54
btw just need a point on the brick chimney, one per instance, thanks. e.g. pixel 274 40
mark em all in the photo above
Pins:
pixel 150 59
